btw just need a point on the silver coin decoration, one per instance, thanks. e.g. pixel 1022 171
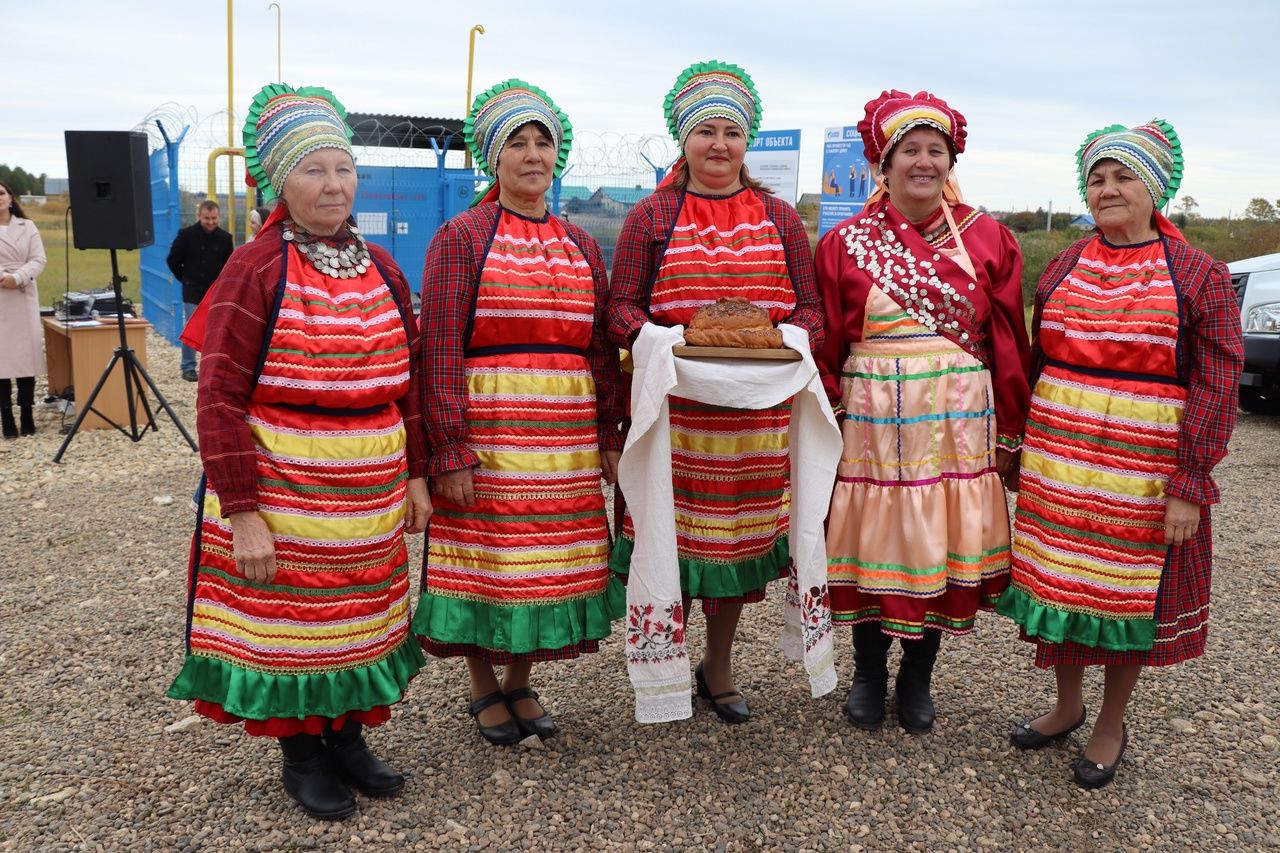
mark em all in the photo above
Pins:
pixel 912 282
pixel 348 259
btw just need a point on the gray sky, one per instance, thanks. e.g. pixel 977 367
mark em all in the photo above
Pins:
pixel 1033 77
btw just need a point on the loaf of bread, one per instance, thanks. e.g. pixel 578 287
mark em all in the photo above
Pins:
pixel 732 322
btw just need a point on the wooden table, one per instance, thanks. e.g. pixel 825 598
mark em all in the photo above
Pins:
pixel 77 355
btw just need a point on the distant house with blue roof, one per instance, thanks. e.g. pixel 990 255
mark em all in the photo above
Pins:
pixel 609 201
pixel 1084 222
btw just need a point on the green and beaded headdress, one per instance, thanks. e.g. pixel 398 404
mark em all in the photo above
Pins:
pixel 500 111
pixel 1152 151
pixel 286 124
pixel 712 89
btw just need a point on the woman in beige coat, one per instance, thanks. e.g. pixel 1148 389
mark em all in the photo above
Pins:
pixel 21 356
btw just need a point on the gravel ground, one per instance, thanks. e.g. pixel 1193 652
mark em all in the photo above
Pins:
pixel 92 755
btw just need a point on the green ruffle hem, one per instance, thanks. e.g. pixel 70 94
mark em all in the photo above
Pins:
pixel 263 696
pixel 519 628
pixel 717 580
pixel 1051 625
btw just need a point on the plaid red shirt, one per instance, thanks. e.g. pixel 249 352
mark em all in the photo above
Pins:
pixel 1211 353
pixel 450 278
pixel 643 241
pixel 240 303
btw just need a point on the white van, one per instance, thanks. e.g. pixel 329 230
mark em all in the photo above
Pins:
pixel 1257 284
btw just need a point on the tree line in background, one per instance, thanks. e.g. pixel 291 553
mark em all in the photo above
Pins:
pixel 1226 239
pixel 22 181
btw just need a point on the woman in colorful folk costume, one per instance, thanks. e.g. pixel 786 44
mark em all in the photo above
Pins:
pixel 711 231
pixel 1137 358
pixel 315 465
pixel 522 410
pixel 926 364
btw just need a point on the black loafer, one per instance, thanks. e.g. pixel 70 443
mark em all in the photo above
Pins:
pixel 315 786
pixel 731 712
pixel 505 733
pixel 1092 775
pixel 373 776
pixel 543 726
pixel 1024 737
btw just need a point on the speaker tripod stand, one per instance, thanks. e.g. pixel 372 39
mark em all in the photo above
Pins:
pixel 135 376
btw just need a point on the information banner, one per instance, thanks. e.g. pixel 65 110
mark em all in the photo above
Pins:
pixel 774 160
pixel 846 177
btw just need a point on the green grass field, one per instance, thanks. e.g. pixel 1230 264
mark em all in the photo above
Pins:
pixel 89 268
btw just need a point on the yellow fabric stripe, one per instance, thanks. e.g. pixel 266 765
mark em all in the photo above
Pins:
pixel 327 445
pixel 537 460
pixel 728 528
pixel 1078 475
pixel 1106 404
pixel 1084 569
pixel 729 445
pixel 299 635
pixel 328 528
pixel 529 384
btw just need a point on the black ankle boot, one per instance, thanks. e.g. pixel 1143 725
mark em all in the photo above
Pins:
pixel 351 757
pixel 915 705
pixel 865 704
pixel 311 781
pixel 26 422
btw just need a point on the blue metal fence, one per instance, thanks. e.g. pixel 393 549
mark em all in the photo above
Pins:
pixel 161 295
pixel 398 207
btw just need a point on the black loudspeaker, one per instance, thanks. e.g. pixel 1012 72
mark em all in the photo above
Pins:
pixel 110 181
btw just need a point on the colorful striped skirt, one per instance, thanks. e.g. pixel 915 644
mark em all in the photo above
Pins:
pixel 523 573
pixel 1093 581
pixel 918 532
pixel 730 471
pixel 325 640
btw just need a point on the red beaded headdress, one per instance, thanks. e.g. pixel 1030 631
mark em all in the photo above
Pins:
pixel 892 114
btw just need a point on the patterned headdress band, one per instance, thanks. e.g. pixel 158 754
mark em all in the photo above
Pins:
pixel 499 111
pixel 1152 151
pixel 707 90
pixel 286 124
pixel 890 116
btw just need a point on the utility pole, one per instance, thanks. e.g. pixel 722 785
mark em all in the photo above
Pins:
pixel 471 61
pixel 1048 218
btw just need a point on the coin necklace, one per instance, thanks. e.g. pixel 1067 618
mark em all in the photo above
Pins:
pixel 345 261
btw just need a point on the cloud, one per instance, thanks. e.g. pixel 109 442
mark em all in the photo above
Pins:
pixel 1032 78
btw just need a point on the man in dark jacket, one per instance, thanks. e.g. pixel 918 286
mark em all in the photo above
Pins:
pixel 195 259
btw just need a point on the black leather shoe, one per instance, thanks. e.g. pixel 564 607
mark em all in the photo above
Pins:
pixel 543 726
pixel 26 421
pixel 1024 737
pixel 350 756
pixel 191 376
pixel 731 712
pixel 315 786
pixel 915 704
pixel 7 424
pixel 505 733
pixel 1091 775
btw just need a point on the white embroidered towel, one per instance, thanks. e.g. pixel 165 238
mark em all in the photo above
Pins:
pixel 657 660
